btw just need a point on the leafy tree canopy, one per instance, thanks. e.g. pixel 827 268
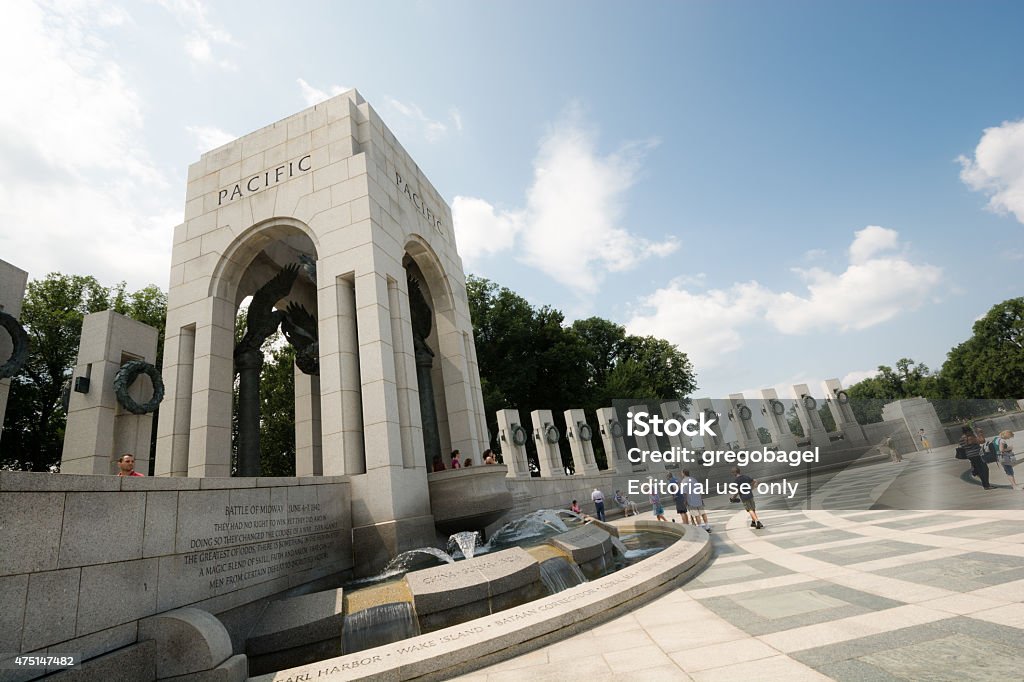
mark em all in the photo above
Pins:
pixel 52 314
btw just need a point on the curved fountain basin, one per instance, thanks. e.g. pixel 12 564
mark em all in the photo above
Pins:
pixel 469 498
pixel 511 632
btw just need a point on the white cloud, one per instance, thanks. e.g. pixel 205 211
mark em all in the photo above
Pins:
pixel 575 205
pixel 870 241
pixel 480 230
pixel 997 168
pixel 78 191
pixel 856 376
pixel 209 137
pixel 409 119
pixel 202 35
pixel 876 287
pixel 313 95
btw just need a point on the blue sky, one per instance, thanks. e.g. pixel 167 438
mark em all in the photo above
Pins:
pixel 788 191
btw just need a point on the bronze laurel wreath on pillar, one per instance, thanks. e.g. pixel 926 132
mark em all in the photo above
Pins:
pixel 127 375
pixel 20 340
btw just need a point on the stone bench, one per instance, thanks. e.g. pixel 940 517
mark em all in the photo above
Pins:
pixel 296 631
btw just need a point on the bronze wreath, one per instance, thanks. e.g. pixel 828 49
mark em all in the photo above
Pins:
pixel 20 341
pixel 777 407
pixel 842 398
pixel 810 403
pixel 616 428
pixel 519 435
pixel 551 434
pixel 586 433
pixel 745 413
pixel 124 378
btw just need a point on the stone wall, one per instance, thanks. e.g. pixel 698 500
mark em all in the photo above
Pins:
pixel 86 557
pixel 1014 421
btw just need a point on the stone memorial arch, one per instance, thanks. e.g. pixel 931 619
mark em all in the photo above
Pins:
pixel 331 191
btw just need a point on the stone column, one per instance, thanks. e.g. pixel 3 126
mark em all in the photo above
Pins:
pixel 842 412
pixel 209 443
pixel 309 458
pixel 778 424
pixel 742 418
pixel 673 410
pixel 918 413
pixel 548 454
pixel 648 442
pixel 98 429
pixel 807 411
pixel 717 441
pixel 341 409
pixel 614 445
pixel 580 435
pixel 12 290
pixel 510 430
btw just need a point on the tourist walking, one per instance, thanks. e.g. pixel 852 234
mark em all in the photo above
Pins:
pixel 925 445
pixel 659 510
pixel 1007 458
pixel 677 494
pixel 746 496
pixel 971 442
pixel 694 500
pixel 889 447
pixel 597 497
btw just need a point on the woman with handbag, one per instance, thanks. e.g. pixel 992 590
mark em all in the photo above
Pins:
pixel 1006 457
pixel 972 443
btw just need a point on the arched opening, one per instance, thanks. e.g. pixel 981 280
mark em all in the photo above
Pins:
pixel 269 276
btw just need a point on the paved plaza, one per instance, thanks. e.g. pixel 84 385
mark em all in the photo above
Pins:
pixel 839 585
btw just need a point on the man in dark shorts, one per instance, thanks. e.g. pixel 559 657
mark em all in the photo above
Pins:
pixel 746 494
pixel 679 497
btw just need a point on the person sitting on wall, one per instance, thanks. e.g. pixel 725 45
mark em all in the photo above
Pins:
pixel 468 462
pixel 127 466
pixel 489 457
pixel 626 504
pixel 575 507
pixel 438 463
pixel 455 460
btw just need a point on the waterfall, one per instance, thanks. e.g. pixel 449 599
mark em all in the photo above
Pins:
pixel 466 541
pixel 378 625
pixel 560 574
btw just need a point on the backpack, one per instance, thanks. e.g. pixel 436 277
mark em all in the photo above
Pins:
pixel 993 446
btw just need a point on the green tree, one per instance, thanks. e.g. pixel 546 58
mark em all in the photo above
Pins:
pixel 990 364
pixel 52 314
pixel 277 410
pixel 529 359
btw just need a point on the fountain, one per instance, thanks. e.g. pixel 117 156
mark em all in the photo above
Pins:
pixel 465 542
pixel 378 625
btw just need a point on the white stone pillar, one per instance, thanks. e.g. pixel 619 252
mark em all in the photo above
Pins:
pixel 12 290
pixel 98 429
pixel 742 418
pixel 718 440
pixel 842 412
pixel 548 455
pixel 209 443
pixel 807 411
pixel 513 436
pixel 673 410
pixel 649 443
pixel 918 413
pixel 614 445
pixel 341 409
pixel 580 434
pixel 774 410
